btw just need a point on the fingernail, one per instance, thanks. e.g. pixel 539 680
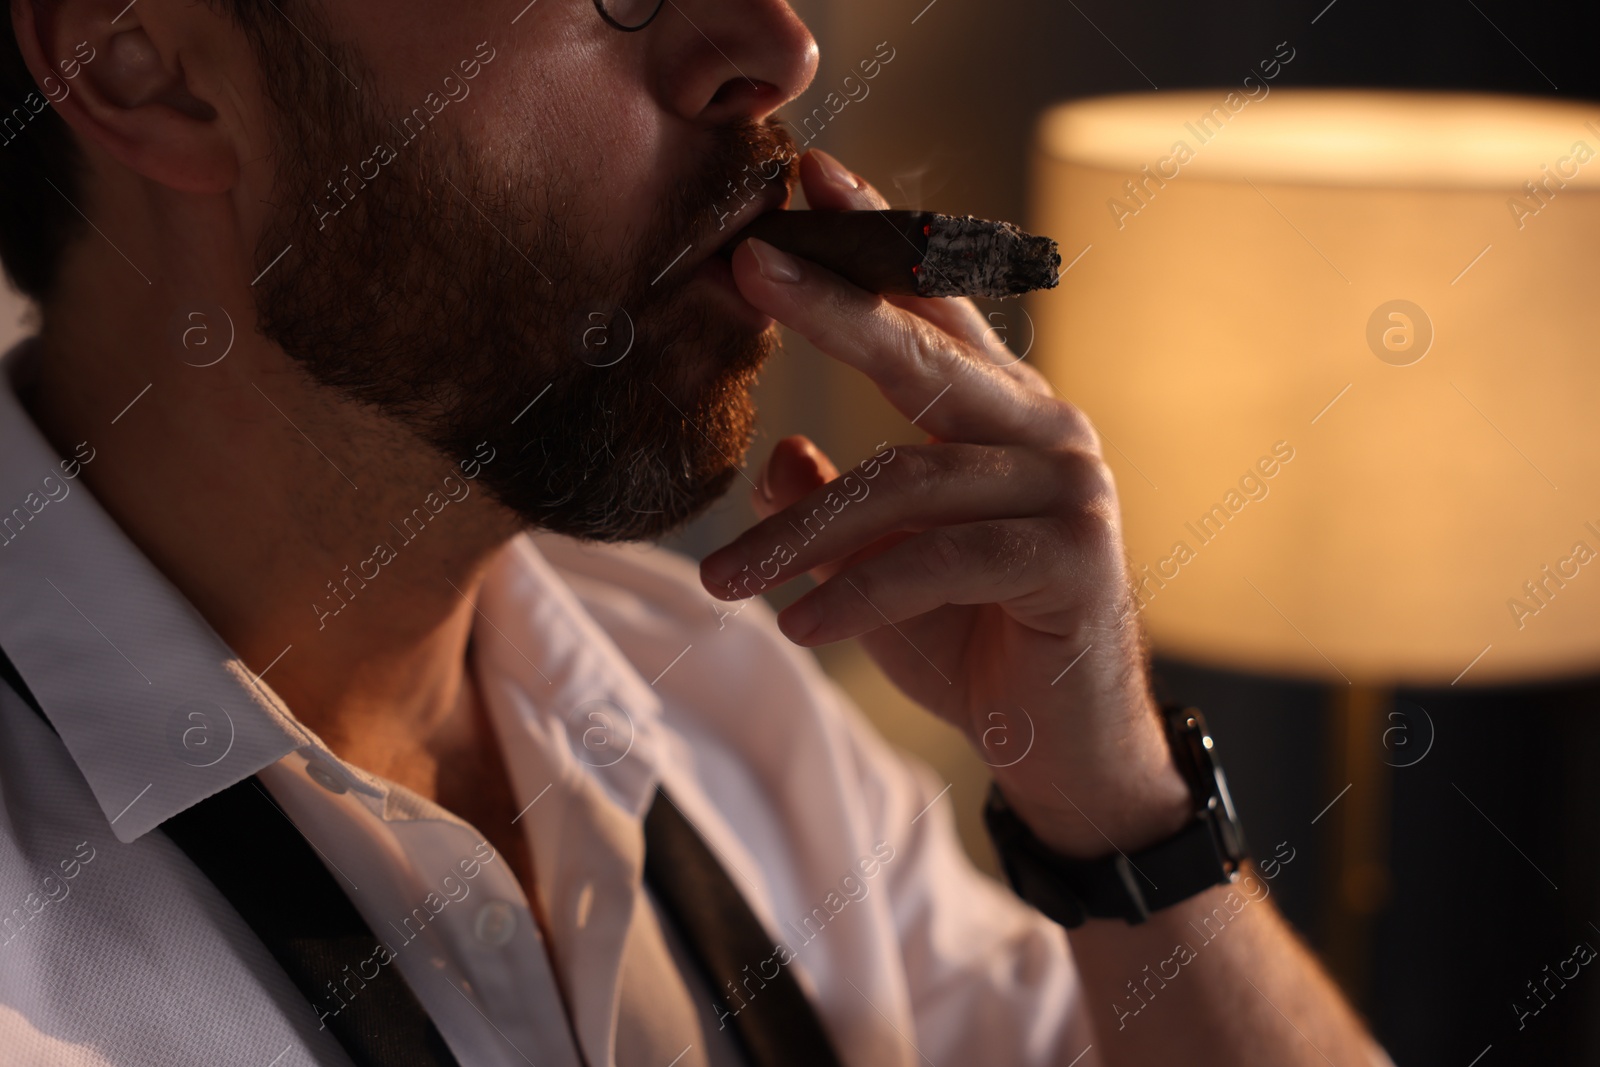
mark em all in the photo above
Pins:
pixel 766 474
pixel 720 568
pixel 775 266
pixel 820 464
pixel 837 173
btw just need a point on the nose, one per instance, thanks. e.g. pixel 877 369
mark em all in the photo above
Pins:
pixel 720 60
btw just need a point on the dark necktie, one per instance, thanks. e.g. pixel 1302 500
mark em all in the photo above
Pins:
pixel 280 887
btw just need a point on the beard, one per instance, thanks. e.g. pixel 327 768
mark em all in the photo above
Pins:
pixel 453 294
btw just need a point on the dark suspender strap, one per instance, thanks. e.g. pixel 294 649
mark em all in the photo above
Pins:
pixel 256 858
pixel 267 870
pixel 271 875
pixel 8 673
pixel 776 1024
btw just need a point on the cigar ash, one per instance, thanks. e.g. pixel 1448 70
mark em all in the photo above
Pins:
pixel 918 253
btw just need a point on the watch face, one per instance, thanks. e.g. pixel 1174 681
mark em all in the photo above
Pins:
pixel 1192 745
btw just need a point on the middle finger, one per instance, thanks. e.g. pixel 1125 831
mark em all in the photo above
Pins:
pixel 917 487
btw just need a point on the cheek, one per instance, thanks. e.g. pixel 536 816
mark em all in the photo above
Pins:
pixel 593 138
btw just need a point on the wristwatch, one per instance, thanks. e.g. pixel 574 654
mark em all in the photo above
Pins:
pixel 1208 851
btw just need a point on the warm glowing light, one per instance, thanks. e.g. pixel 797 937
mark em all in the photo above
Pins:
pixel 1342 348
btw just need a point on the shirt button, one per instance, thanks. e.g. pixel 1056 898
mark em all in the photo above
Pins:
pixel 495 923
pixel 324 776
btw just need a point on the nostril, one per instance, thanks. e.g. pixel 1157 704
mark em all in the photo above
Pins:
pixel 731 61
pixel 742 94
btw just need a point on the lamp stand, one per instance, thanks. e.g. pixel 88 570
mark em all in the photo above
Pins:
pixel 1356 838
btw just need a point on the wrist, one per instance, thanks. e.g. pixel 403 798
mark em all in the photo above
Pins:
pixel 1071 878
pixel 1128 793
pixel 1146 800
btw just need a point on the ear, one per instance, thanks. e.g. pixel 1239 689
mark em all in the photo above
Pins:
pixel 115 72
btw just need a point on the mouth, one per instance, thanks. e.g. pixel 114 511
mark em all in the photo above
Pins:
pixel 775 197
pixel 711 260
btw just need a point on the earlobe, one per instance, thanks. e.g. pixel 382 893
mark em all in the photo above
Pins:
pixel 121 85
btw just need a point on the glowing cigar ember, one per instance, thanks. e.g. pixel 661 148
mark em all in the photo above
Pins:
pixel 915 252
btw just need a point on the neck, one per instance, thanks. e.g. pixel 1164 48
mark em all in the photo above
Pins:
pixel 317 538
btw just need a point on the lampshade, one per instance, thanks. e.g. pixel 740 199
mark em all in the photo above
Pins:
pixel 1344 352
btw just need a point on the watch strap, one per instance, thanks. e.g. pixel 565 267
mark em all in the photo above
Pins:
pixel 1206 852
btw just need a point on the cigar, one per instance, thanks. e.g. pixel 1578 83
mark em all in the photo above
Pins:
pixel 914 252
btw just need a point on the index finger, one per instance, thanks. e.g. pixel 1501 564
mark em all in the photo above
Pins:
pixel 946 387
pixel 831 186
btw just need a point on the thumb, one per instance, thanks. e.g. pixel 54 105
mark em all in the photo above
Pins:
pixel 795 467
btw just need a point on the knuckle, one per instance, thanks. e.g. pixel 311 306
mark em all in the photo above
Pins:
pixel 1001 464
pixel 913 471
pixel 921 343
pixel 997 552
pixel 902 360
pixel 858 591
pixel 940 554
pixel 1015 550
pixel 836 322
pixel 1085 484
pixel 1094 534
pixel 1073 426
pixel 928 470
pixel 1033 378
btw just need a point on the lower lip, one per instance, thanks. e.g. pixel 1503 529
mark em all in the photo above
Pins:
pixel 717 272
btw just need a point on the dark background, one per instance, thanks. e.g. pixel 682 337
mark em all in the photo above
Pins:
pixel 1477 902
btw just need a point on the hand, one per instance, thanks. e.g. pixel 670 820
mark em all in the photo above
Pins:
pixel 983 570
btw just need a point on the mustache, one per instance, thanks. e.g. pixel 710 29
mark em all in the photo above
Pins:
pixel 767 155
pixel 746 161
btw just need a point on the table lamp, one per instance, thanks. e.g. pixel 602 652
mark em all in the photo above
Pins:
pixel 1344 352
pixel 1401 289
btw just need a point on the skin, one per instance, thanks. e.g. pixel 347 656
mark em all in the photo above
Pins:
pixel 995 546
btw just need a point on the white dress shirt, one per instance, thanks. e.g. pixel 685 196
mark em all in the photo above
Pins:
pixel 607 671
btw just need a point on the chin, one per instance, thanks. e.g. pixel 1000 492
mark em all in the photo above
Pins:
pixel 718 360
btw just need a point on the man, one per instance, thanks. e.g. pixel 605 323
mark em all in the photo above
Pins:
pixel 338 300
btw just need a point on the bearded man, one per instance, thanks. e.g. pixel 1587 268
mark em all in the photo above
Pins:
pixel 351 717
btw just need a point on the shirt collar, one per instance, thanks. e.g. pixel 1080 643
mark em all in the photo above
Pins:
pixel 155 709
pixel 159 713
pixel 593 712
